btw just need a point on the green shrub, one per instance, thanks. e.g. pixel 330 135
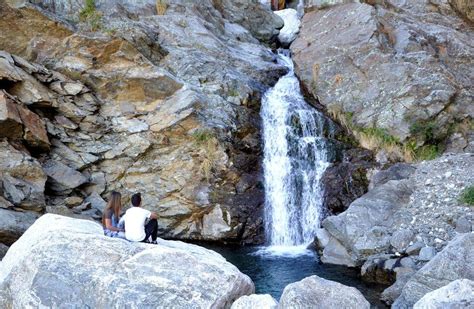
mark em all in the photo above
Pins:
pixel 424 130
pixel 90 15
pixel 427 152
pixel 467 196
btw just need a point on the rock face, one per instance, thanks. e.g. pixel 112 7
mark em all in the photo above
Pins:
pixel 396 69
pixel 13 224
pixel 316 292
pixel 454 262
pixel 457 294
pixel 165 104
pixel 396 214
pixel 22 180
pixel 70 263
pixel 255 301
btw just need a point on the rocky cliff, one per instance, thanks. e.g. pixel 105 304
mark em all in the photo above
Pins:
pixel 145 97
pixel 397 74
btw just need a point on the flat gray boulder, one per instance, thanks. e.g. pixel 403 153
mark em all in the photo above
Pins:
pixel 454 262
pixel 13 224
pixel 316 292
pixel 457 294
pixel 69 263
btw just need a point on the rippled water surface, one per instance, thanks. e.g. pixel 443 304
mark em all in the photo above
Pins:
pixel 272 270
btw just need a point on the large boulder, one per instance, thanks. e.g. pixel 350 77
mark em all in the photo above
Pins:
pixel 406 206
pixel 396 68
pixel 454 262
pixel 69 262
pixel 316 292
pixel 457 294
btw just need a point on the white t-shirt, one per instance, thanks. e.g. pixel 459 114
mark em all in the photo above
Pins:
pixel 135 219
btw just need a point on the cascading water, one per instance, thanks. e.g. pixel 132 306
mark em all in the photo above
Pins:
pixel 295 158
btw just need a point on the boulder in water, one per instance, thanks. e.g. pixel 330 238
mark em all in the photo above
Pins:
pixel 265 301
pixel 316 292
pixel 70 263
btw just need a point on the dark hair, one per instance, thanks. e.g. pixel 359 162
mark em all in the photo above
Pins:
pixel 115 204
pixel 136 199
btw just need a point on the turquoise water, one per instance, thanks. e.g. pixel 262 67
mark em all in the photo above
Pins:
pixel 271 273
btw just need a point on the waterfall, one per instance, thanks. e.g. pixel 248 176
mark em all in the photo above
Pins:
pixel 295 158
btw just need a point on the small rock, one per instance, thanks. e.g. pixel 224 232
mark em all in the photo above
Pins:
pixel 427 253
pixel 407 262
pixel 401 239
pixel 414 249
pixel 463 225
pixel 62 177
pixel 96 202
pixel 73 201
pixel 390 264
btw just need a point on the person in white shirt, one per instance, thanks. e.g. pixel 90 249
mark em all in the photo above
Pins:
pixel 136 226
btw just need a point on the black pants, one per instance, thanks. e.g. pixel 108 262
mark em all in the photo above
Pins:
pixel 151 229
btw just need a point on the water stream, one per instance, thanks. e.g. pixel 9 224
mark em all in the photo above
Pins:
pixel 295 158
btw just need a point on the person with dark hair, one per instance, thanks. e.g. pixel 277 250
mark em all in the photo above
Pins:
pixel 111 216
pixel 140 224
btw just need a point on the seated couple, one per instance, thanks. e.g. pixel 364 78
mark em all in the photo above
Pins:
pixel 138 224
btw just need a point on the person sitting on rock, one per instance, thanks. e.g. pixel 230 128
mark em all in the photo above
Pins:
pixel 111 216
pixel 140 224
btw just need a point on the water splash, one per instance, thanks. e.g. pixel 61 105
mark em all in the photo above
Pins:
pixel 295 158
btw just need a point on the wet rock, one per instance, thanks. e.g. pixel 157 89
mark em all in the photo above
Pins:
pixel 216 223
pixel 313 292
pixel 265 301
pixel 379 269
pixel 390 294
pixel 346 179
pixel 291 28
pixel 335 253
pixel 13 224
pixel 62 177
pixel 140 269
pixel 321 239
pixel 427 253
pixel 22 180
pixel 457 294
pixel 453 263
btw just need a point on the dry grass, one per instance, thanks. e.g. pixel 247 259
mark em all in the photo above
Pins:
pixel 161 6
pixel 374 139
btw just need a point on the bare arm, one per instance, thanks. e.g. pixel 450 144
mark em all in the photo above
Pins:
pixel 153 216
pixel 110 227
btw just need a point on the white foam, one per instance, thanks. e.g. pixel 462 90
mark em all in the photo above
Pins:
pixel 284 251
